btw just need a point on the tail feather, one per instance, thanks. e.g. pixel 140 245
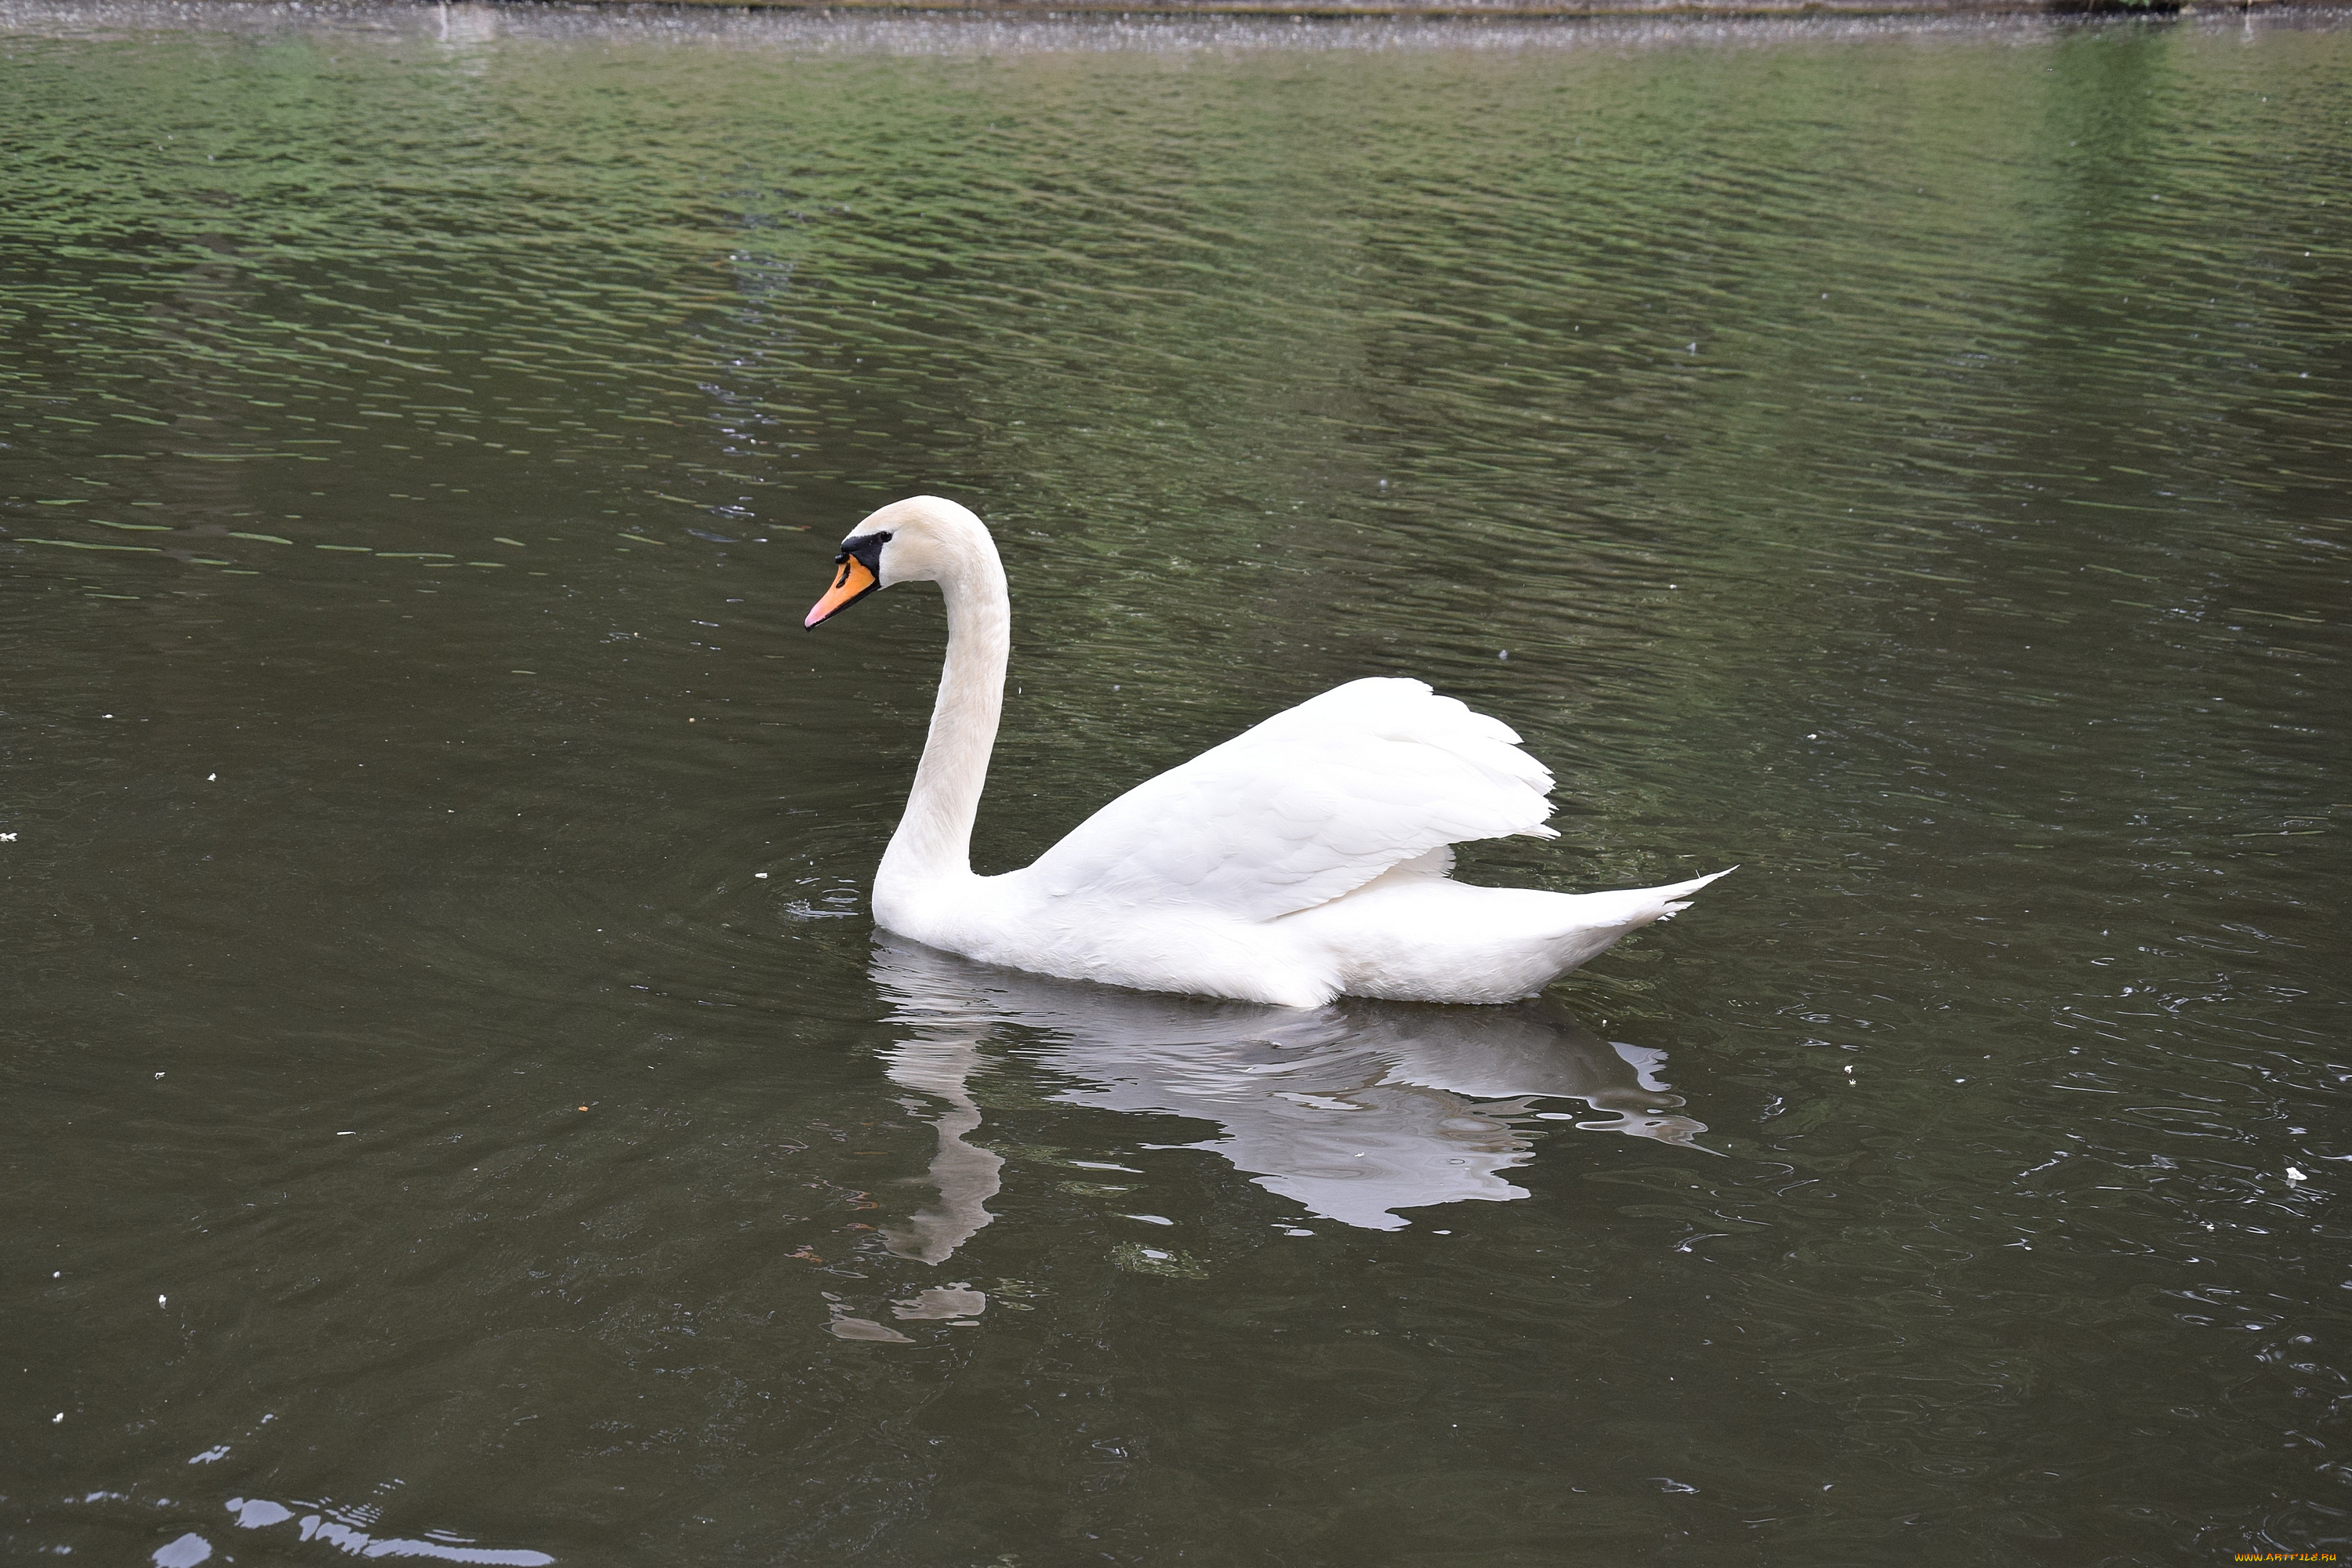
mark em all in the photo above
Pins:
pixel 1676 897
pixel 1629 908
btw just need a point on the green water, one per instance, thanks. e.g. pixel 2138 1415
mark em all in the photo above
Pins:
pixel 453 1104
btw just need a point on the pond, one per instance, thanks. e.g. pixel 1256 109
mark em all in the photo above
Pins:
pixel 455 1104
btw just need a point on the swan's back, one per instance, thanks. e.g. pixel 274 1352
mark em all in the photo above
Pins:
pixel 1305 808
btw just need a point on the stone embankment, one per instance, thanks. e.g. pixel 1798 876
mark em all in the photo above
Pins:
pixel 1518 9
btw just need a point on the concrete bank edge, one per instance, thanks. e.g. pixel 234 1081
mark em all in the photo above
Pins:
pixel 1474 10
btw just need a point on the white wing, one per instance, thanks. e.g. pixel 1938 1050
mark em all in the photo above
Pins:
pixel 1311 804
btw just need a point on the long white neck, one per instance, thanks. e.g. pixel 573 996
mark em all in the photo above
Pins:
pixel 933 843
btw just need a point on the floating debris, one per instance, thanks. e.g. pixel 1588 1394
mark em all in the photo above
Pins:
pixel 1137 1258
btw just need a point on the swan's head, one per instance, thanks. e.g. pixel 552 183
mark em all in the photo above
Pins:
pixel 919 540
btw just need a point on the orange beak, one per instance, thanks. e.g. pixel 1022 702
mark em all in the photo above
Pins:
pixel 851 582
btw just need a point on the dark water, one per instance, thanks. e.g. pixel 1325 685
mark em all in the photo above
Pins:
pixel 455 1105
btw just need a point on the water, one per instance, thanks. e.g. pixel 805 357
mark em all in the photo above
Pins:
pixel 455 1106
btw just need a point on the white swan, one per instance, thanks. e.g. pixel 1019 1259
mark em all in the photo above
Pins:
pixel 1303 859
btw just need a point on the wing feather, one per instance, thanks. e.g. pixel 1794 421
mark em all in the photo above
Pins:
pixel 1306 806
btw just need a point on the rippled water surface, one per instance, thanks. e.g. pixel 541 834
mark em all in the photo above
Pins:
pixel 455 1105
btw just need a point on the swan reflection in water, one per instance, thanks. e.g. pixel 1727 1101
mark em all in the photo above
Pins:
pixel 1353 1111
